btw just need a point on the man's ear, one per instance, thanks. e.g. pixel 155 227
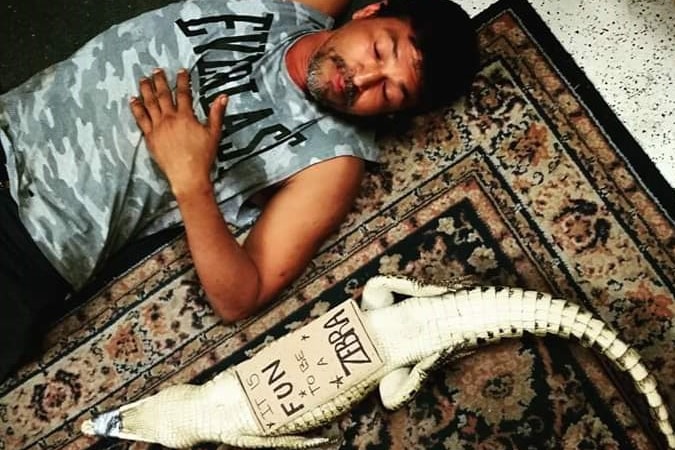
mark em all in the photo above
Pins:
pixel 368 10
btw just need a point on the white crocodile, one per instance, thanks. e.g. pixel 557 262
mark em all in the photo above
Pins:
pixel 412 337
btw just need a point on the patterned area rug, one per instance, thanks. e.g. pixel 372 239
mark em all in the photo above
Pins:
pixel 530 181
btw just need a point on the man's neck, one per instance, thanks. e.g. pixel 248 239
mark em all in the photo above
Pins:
pixel 301 53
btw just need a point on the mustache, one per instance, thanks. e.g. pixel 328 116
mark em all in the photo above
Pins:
pixel 347 76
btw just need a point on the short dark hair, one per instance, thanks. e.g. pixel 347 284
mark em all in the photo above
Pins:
pixel 448 42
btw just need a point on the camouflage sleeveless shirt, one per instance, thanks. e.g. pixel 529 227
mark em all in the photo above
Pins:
pixel 83 180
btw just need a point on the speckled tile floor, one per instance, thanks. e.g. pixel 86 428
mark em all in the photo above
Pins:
pixel 627 50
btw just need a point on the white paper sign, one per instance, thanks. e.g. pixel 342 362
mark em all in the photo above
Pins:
pixel 309 366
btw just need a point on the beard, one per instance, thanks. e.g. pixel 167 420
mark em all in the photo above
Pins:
pixel 320 90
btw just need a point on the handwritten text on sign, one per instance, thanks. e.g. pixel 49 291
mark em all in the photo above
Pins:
pixel 308 367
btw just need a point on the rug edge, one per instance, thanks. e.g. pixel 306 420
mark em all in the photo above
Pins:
pixel 644 168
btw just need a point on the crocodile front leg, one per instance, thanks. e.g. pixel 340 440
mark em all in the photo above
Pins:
pixel 401 385
pixel 379 290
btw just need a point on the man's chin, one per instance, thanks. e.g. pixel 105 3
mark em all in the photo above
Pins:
pixel 331 104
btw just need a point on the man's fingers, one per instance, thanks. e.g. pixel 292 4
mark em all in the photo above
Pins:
pixel 162 91
pixel 183 92
pixel 216 114
pixel 148 98
pixel 140 114
pixel 150 111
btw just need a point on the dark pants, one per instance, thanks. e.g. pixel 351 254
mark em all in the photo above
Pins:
pixel 28 284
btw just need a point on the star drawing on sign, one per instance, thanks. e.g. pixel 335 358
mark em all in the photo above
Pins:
pixel 302 394
pixel 304 337
pixel 270 424
pixel 337 381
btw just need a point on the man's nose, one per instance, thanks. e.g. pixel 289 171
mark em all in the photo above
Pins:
pixel 367 77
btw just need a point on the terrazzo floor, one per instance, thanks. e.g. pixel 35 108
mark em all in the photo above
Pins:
pixel 627 50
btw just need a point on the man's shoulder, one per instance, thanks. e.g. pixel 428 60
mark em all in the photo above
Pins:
pixel 302 10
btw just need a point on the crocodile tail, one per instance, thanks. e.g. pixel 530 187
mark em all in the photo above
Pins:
pixel 593 332
pixel 538 313
pixel 466 318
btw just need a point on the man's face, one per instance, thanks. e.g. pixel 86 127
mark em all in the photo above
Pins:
pixel 367 67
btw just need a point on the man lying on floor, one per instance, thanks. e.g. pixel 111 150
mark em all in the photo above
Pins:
pixel 88 171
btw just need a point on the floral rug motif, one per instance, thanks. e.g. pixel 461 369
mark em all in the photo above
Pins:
pixel 529 181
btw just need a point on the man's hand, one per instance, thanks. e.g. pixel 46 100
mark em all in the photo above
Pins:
pixel 183 147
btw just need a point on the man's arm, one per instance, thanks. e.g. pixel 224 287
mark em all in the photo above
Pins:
pixel 296 220
pixel 304 211
pixel 299 218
